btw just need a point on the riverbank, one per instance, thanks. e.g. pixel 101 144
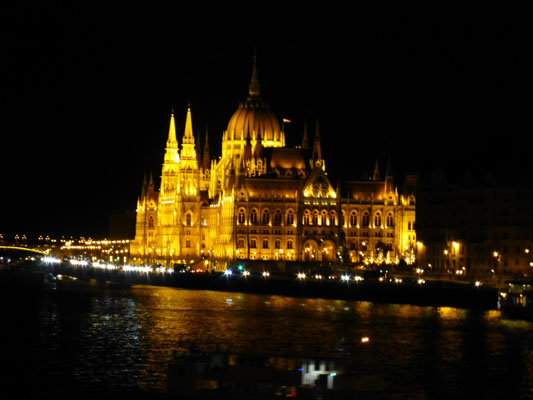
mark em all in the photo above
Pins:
pixel 429 293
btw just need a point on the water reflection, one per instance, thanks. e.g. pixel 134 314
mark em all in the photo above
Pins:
pixel 113 340
pixel 408 347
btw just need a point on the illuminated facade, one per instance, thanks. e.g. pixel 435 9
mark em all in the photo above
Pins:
pixel 262 200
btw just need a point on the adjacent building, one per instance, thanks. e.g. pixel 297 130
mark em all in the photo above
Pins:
pixel 476 222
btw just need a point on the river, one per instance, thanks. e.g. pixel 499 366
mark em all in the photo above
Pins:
pixel 101 342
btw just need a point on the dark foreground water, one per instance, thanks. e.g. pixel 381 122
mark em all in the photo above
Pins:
pixel 101 342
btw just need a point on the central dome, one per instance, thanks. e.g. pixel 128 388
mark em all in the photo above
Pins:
pixel 254 120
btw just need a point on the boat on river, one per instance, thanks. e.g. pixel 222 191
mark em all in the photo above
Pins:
pixel 516 299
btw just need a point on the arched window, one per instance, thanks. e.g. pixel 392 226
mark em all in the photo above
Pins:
pixel 390 220
pixel 188 219
pixel 266 217
pixel 324 218
pixel 253 216
pixel 241 216
pixel 289 244
pixel 277 218
pixel 265 243
pixel 366 219
pixel 306 217
pixel 377 220
pixel 353 219
pixel 333 218
pixel 290 217
pixel 151 222
pixel 315 217
pixel 253 243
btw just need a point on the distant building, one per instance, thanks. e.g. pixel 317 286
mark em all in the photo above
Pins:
pixel 262 200
pixel 473 223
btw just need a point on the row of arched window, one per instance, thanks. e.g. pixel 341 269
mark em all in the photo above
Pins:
pixel 365 219
pixel 314 217
pixel 265 217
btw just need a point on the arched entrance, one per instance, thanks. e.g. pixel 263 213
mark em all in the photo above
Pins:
pixel 328 250
pixel 311 250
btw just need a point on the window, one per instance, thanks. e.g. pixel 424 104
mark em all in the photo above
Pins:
pixel 265 243
pixel 240 243
pixel 277 218
pixel 333 218
pixel 277 244
pixel 289 244
pixel 151 222
pixel 353 219
pixel 290 217
pixel 266 217
pixel 188 219
pixel 253 243
pixel 324 218
pixel 315 217
pixel 306 217
pixel 366 220
pixel 188 243
pixel 253 217
pixel 390 220
pixel 377 220
pixel 241 217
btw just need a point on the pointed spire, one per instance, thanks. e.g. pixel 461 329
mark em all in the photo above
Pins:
pixel 172 128
pixel 305 139
pixel 188 137
pixel 376 175
pixel 258 147
pixel 171 151
pixel 317 149
pixel 253 88
pixel 205 159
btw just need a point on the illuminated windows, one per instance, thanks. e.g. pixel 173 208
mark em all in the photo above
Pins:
pixel 241 216
pixel 353 219
pixel 277 218
pixel 377 220
pixel 266 217
pixel 366 220
pixel 290 217
pixel 390 220
pixel 253 217
pixel 306 217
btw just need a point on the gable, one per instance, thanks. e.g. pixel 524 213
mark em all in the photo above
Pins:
pixel 318 185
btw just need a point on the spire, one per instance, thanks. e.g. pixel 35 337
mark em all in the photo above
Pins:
pixel 205 159
pixel 317 149
pixel 376 175
pixel 258 148
pixel 171 151
pixel 253 88
pixel 188 157
pixel 172 128
pixel 305 139
pixel 188 137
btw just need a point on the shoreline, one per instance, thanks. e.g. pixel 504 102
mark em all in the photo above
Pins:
pixel 431 293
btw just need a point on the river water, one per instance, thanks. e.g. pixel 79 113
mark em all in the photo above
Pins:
pixel 104 342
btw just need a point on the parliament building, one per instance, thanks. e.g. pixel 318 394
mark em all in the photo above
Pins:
pixel 262 200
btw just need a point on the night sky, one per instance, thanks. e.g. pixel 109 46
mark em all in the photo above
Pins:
pixel 86 97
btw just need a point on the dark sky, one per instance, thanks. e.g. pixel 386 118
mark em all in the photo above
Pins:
pixel 86 97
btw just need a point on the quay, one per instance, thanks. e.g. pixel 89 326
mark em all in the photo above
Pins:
pixel 385 288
